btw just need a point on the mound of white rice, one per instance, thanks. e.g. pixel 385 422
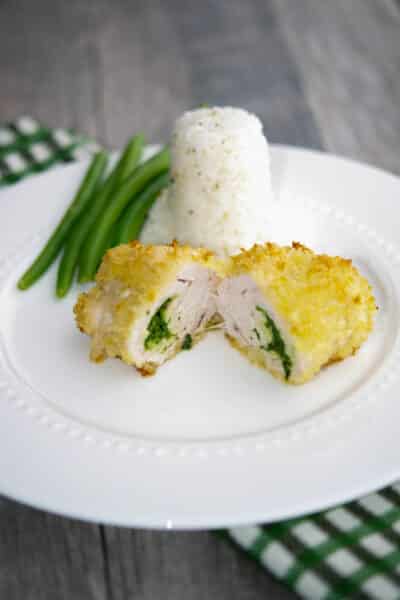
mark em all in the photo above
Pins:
pixel 220 193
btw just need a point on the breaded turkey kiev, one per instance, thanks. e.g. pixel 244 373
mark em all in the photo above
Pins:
pixel 149 302
pixel 292 311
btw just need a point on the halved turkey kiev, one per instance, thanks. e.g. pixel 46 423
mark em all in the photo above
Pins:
pixel 149 302
pixel 291 311
pixel 287 309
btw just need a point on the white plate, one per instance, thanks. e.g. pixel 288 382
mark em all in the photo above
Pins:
pixel 210 441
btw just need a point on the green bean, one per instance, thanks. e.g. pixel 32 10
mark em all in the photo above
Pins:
pixel 130 224
pixel 128 161
pixel 74 211
pixel 130 157
pixel 97 239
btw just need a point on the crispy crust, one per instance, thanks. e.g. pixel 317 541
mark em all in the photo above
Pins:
pixel 131 278
pixel 325 303
pixel 146 267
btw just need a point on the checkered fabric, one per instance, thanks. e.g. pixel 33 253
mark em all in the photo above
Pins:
pixel 26 147
pixel 351 551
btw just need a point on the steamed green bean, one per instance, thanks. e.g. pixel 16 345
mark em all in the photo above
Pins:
pixel 132 220
pixel 98 237
pixel 74 211
pixel 128 161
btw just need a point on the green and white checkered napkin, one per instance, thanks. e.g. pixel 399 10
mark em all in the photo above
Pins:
pixel 352 551
pixel 26 148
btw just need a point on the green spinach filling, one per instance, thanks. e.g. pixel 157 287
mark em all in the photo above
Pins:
pixel 187 342
pixel 276 345
pixel 158 328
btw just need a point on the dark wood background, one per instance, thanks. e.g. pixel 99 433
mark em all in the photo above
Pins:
pixel 319 73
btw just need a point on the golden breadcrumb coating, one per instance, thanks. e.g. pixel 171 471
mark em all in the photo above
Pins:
pixel 322 307
pixel 129 281
pixel 326 305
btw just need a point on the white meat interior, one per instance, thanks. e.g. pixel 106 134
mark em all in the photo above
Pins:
pixel 191 307
pixel 244 308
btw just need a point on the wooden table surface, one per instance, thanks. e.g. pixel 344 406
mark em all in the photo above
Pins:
pixel 319 73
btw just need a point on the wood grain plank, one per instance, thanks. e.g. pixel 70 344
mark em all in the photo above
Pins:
pixel 45 557
pixel 239 56
pixel 146 82
pixel 178 56
pixel 349 56
pixel 148 565
pixel 46 63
